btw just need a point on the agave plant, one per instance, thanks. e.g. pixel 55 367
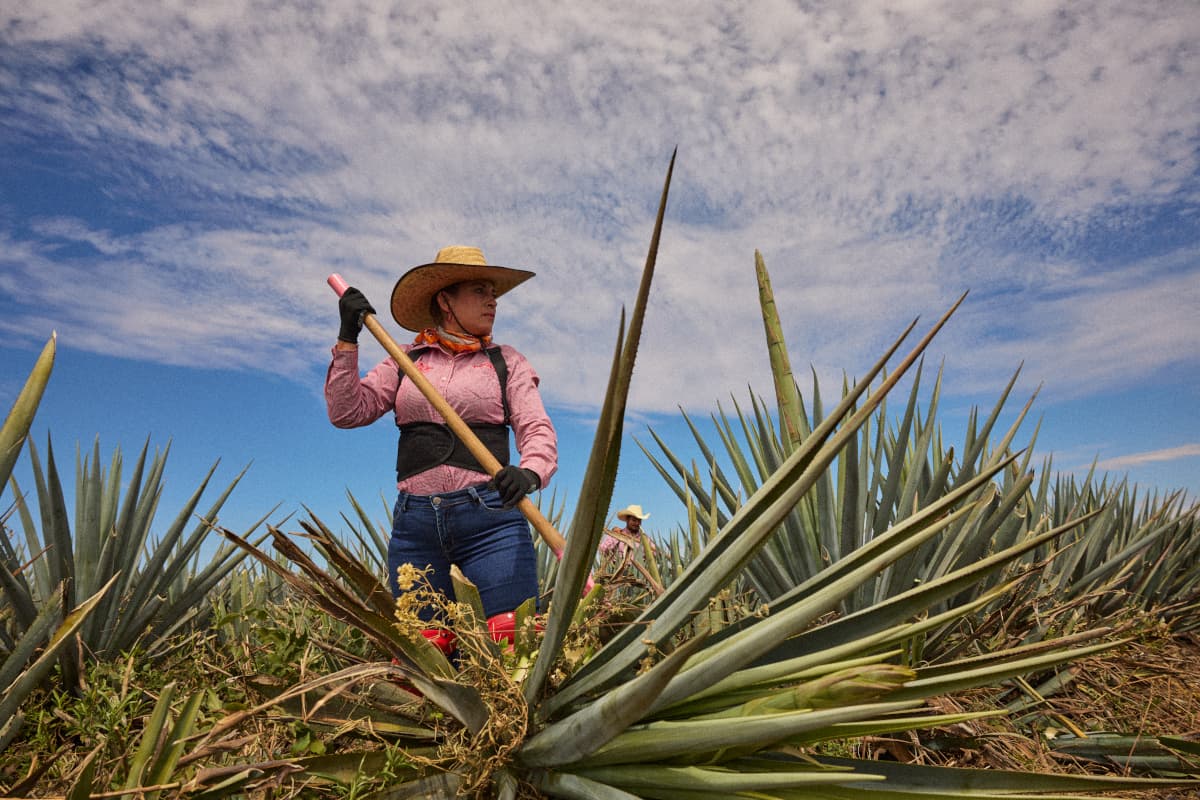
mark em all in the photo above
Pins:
pixel 162 583
pixel 138 587
pixel 1143 553
pixel 894 469
pixel 661 711
pixel 31 638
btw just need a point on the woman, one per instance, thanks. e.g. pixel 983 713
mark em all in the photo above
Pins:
pixel 447 511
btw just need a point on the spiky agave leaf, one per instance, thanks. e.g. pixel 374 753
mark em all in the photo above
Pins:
pixel 921 782
pixel 20 416
pixel 587 524
pixel 13 433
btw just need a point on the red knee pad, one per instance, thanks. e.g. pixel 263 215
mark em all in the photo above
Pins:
pixel 441 638
pixel 503 627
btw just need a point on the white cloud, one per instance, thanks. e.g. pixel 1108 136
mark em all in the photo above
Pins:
pixel 1138 459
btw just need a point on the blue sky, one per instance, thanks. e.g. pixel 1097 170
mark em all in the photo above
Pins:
pixel 176 183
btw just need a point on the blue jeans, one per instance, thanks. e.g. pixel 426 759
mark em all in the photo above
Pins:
pixel 490 544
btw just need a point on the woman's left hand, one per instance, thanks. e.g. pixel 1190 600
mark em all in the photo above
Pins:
pixel 513 483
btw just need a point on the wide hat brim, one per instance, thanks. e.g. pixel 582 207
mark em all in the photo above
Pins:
pixel 632 511
pixel 412 294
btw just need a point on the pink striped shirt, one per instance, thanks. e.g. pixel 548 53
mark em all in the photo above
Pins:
pixel 468 383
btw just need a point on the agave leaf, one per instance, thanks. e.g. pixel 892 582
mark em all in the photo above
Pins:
pixel 110 551
pixel 930 519
pixel 20 417
pixel 14 585
pixel 891 486
pixel 135 512
pixel 167 759
pixel 946 682
pixel 190 598
pixel 1029 650
pixel 600 476
pixel 582 733
pixel 220 783
pixel 442 786
pixel 89 488
pixel 1182 745
pixel 81 787
pixel 728 496
pixel 467 592
pixel 346 713
pixel 692 485
pixel 715 779
pixel 849 685
pixel 787 397
pixel 366 583
pixel 679 739
pixel 346 767
pixel 156 591
pixel 463 702
pixel 923 781
pixel 1124 750
pixel 34 636
pixel 881 726
pixel 765 635
pixel 10 727
pixel 164 573
pixel 149 742
pixel 697 683
pixel 55 527
pixel 376 553
pixel 577 787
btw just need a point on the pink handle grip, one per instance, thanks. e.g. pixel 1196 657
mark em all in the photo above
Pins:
pixel 337 283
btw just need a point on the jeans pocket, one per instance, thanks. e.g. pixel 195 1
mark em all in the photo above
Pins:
pixel 490 501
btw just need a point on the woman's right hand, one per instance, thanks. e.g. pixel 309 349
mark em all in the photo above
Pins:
pixel 352 306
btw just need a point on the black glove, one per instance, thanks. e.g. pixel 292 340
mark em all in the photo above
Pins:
pixel 352 306
pixel 513 483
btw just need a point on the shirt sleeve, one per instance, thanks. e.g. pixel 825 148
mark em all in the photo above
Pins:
pixel 353 401
pixel 536 439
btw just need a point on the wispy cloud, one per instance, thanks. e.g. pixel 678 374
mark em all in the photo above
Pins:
pixel 1138 459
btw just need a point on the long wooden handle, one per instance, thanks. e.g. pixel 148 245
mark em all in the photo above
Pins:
pixel 549 535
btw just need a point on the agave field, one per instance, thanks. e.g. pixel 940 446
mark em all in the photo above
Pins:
pixel 857 607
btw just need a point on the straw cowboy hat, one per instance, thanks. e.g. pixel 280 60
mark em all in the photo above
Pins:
pixel 416 288
pixel 632 511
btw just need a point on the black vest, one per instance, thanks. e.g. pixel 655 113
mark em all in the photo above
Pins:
pixel 425 445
